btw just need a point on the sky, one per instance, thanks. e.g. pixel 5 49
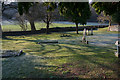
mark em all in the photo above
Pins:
pixel 90 1
pixel 9 1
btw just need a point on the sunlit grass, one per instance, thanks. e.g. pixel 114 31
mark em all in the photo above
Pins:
pixel 68 58
pixel 38 25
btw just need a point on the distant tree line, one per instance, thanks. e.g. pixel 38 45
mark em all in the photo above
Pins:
pixel 77 12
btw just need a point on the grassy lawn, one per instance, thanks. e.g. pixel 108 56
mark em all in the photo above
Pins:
pixel 68 58
pixel 38 25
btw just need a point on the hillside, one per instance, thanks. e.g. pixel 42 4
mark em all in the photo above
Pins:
pixel 9 13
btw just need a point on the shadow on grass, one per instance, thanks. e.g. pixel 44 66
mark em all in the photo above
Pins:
pixel 20 39
pixel 50 51
pixel 104 54
pixel 103 57
pixel 24 67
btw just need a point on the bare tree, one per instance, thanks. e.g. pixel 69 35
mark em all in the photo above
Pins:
pixel 22 21
pixel 48 18
pixel 32 13
pixel 105 18
pixel 35 13
pixel 39 12
pixel 49 15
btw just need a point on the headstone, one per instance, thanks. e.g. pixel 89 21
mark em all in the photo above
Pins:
pixel 10 53
pixel 65 35
pixel 83 39
pixel 91 31
pixel 84 36
pixel 117 54
pixel 87 32
pixel 20 52
pixel 84 32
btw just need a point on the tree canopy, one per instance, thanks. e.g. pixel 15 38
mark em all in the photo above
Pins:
pixel 109 8
pixel 23 7
pixel 34 10
pixel 49 8
pixel 77 12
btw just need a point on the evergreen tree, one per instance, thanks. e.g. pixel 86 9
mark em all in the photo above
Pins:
pixel 77 12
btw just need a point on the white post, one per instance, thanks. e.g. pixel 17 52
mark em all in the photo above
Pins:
pixel 87 32
pixel 84 35
pixel 84 32
pixel 117 54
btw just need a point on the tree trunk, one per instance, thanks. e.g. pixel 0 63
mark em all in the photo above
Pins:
pixel 32 26
pixel 47 28
pixel 0 31
pixel 118 27
pixel 77 28
pixel 109 25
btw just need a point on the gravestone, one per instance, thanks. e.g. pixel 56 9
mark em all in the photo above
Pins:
pixel 91 31
pixel 117 54
pixel 10 53
pixel 48 41
pixel 65 35
pixel 87 32
pixel 84 36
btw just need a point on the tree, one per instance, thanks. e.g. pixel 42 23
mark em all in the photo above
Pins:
pixel 109 8
pixel 77 12
pixel 116 17
pixel 0 31
pixel 7 6
pixel 105 18
pixel 38 11
pixel 22 22
pixel 49 8
pixel 23 8
pixel 112 9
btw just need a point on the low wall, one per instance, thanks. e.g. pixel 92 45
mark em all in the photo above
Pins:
pixel 115 28
pixel 57 29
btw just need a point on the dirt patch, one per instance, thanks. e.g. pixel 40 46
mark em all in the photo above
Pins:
pixel 70 70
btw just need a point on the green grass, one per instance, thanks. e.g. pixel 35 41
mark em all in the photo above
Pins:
pixel 68 58
pixel 38 25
